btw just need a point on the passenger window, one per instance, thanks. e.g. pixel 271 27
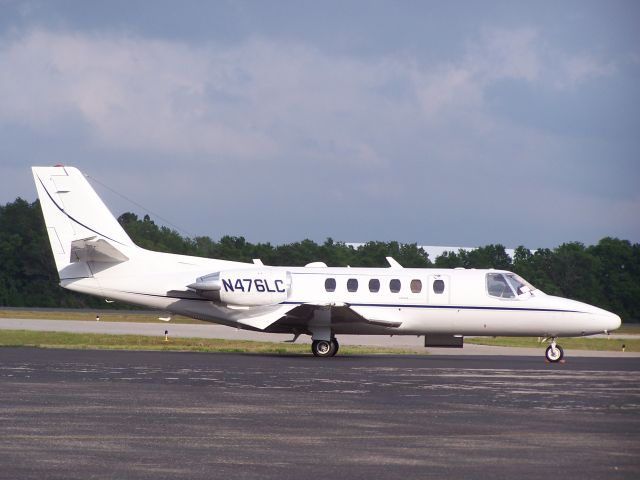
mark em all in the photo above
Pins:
pixel 438 286
pixel 416 286
pixel 330 284
pixel 374 285
pixel 352 285
pixel 394 285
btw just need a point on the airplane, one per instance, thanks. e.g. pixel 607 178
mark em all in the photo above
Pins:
pixel 94 255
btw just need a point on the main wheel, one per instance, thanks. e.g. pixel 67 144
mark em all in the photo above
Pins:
pixel 335 345
pixel 321 348
pixel 324 348
pixel 554 353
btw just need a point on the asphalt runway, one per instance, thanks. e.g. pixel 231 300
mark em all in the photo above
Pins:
pixel 68 414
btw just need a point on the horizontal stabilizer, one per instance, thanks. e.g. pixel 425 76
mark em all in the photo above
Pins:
pixel 95 250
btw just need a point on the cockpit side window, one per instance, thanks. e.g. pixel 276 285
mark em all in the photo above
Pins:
pixel 497 286
pixel 507 285
pixel 518 284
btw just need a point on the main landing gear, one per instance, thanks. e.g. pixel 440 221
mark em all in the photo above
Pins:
pixel 554 352
pixel 325 348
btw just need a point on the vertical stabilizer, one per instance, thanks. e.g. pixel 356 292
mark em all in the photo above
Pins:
pixel 73 211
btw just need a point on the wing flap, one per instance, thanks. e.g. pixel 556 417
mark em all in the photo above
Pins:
pixel 261 320
pixel 340 313
pixel 359 317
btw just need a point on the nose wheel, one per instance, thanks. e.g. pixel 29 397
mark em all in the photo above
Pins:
pixel 325 348
pixel 554 353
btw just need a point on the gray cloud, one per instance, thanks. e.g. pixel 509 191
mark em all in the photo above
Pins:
pixel 280 140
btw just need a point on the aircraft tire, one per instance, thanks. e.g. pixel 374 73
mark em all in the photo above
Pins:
pixel 324 348
pixel 554 354
pixel 335 345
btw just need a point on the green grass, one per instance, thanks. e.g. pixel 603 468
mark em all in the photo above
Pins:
pixel 27 338
pixel 89 316
pixel 628 328
pixel 602 344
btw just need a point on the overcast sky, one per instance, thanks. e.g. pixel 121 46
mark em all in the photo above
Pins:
pixel 441 123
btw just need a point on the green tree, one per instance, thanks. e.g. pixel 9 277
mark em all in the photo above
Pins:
pixel 491 256
pixel 373 254
pixel 28 276
pixel 617 276
pixel 575 272
pixel 449 259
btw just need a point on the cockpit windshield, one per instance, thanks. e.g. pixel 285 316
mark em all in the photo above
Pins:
pixel 508 285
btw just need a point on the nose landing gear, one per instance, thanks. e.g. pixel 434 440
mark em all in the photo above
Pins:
pixel 554 353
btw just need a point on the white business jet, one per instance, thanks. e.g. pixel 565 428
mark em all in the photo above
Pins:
pixel 94 255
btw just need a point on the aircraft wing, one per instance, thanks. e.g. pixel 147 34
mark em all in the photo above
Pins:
pixel 261 318
pixel 301 315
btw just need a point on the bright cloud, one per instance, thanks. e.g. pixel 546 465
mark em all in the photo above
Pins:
pixel 250 100
pixel 582 68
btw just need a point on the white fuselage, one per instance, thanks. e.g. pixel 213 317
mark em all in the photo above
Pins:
pixel 407 302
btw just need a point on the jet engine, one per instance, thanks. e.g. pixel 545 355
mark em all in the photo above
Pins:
pixel 245 287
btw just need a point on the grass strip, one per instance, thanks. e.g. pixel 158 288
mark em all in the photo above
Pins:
pixel 92 341
pixel 582 343
pixel 28 338
pixel 89 316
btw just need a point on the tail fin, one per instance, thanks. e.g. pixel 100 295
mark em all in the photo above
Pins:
pixel 73 212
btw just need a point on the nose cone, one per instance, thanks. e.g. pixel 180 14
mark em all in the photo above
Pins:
pixel 606 321
pixel 589 319
pixel 613 321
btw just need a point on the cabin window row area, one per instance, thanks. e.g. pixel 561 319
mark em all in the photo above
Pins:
pixel 395 285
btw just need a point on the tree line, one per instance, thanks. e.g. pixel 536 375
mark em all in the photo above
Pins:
pixel 606 274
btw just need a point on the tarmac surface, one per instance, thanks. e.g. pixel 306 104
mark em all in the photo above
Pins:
pixel 69 414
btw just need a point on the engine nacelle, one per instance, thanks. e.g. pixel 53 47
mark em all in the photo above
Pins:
pixel 245 287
